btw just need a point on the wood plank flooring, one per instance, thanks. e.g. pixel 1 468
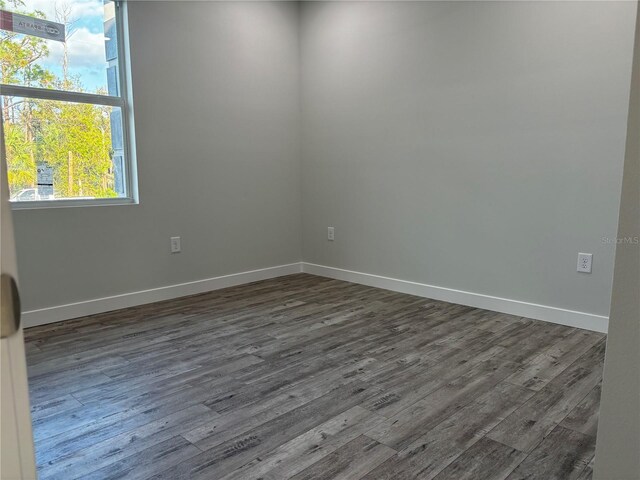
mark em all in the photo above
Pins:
pixel 305 377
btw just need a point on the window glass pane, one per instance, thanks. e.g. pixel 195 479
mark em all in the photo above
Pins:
pixel 63 150
pixel 85 62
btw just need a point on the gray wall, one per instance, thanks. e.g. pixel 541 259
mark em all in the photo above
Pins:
pixel 475 146
pixel 217 113
pixel 472 146
pixel 618 445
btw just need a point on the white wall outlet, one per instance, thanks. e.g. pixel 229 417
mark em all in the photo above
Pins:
pixel 175 245
pixel 584 262
pixel 331 234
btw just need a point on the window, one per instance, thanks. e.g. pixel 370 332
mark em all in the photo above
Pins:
pixel 65 102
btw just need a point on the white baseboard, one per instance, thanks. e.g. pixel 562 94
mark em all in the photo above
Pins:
pixel 100 305
pixel 561 316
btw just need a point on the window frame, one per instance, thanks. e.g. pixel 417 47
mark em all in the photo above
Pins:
pixel 124 101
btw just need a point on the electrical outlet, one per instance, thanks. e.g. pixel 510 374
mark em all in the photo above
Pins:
pixel 175 245
pixel 331 234
pixel 584 262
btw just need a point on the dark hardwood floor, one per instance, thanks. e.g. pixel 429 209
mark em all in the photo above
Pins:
pixel 305 377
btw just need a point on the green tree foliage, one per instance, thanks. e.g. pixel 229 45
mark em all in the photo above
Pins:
pixel 73 138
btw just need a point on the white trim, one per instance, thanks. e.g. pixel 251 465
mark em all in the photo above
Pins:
pixel 60 95
pixel 125 89
pixel 561 316
pixel 72 202
pixel 547 313
pixel 91 307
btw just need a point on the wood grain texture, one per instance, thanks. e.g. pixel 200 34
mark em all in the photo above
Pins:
pixel 429 454
pixel 485 459
pixel 584 418
pixel 306 377
pixel 533 421
pixel 349 462
pixel 562 455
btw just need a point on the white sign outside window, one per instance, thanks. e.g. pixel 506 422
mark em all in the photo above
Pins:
pixel 44 180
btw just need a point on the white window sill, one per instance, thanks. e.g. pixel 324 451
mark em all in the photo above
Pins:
pixel 97 202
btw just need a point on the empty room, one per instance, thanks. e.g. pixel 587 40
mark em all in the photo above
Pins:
pixel 352 240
